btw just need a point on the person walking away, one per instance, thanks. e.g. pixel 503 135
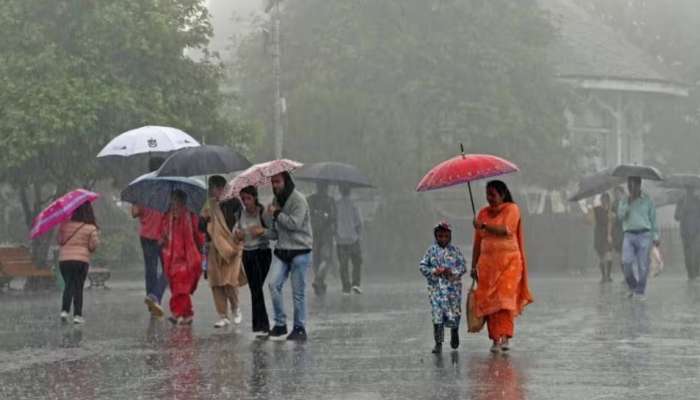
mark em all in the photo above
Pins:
pixel 224 253
pixel 602 236
pixel 688 215
pixel 182 260
pixel 150 222
pixel 78 239
pixel 323 219
pixel 618 234
pixel 500 266
pixel 443 266
pixel 348 234
pixel 257 256
pixel 291 225
pixel 638 216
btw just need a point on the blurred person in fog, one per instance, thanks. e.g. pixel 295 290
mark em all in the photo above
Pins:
pixel 181 243
pixel 602 235
pixel 500 266
pixel 323 220
pixel 348 241
pixel 617 234
pixel 638 215
pixel 443 266
pixel 688 215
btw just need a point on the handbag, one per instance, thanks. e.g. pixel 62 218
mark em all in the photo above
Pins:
pixel 474 323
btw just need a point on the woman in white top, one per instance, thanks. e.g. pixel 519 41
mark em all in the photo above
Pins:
pixel 257 256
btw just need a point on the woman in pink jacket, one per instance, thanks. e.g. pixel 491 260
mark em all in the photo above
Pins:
pixel 78 239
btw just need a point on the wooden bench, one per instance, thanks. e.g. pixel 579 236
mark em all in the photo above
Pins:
pixel 17 262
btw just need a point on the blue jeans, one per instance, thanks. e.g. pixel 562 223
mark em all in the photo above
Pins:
pixel 156 282
pixel 636 250
pixel 279 272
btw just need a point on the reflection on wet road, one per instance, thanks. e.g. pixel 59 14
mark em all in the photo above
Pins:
pixel 579 341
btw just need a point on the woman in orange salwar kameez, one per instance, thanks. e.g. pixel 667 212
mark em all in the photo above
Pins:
pixel 500 265
pixel 182 260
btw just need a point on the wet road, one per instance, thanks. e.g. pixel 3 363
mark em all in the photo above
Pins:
pixel 580 340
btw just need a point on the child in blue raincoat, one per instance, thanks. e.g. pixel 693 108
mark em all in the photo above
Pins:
pixel 443 267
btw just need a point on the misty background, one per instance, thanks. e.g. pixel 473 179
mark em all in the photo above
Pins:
pixel 563 88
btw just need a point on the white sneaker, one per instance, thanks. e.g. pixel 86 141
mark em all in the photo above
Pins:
pixel 357 289
pixel 238 318
pixel 64 316
pixel 78 320
pixel 222 323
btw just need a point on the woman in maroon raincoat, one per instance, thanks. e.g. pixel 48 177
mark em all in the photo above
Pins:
pixel 182 260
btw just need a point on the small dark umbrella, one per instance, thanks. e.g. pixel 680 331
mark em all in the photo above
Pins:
pixel 597 183
pixel 682 181
pixel 154 192
pixel 203 160
pixel 334 173
pixel 637 171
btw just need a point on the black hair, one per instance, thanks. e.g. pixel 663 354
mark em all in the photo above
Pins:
pixel 217 181
pixel 289 187
pixel 180 195
pixel 253 191
pixel 345 190
pixel 84 214
pixel 501 188
pixel 154 163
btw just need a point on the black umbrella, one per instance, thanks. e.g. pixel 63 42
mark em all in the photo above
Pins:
pixel 597 183
pixel 334 173
pixel 682 181
pixel 637 171
pixel 203 160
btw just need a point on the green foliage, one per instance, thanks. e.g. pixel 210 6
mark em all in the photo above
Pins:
pixel 75 73
pixel 394 86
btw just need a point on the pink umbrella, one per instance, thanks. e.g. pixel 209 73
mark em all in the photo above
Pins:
pixel 465 168
pixel 258 175
pixel 60 210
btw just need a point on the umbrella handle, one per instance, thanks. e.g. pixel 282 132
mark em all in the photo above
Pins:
pixel 471 197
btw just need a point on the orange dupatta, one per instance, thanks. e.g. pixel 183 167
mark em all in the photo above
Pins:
pixel 502 260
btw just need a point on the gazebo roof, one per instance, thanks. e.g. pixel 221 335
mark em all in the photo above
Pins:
pixel 593 55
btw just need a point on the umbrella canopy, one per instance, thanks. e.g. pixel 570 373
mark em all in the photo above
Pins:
pixel 638 171
pixel 595 184
pixel 258 175
pixel 465 168
pixel 203 160
pixel 154 192
pixel 148 139
pixel 334 173
pixel 682 181
pixel 60 210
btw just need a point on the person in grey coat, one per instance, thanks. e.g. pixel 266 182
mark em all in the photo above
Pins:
pixel 291 226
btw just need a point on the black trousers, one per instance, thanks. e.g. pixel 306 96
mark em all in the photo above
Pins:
pixel 346 254
pixel 74 274
pixel 257 264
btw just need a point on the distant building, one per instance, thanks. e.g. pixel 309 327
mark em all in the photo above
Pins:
pixel 614 84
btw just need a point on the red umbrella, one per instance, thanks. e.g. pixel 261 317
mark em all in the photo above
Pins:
pixel 465 168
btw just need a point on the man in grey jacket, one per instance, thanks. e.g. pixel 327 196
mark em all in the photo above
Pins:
pixel 293 256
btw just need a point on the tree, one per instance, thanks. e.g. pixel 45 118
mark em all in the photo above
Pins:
pixel 74 73
pixel 394 86
pixel 407 81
